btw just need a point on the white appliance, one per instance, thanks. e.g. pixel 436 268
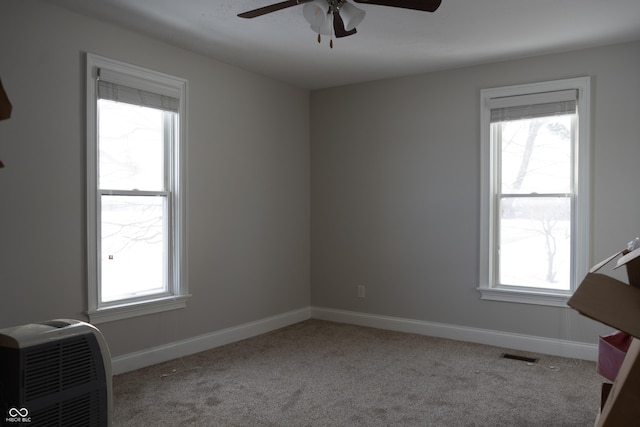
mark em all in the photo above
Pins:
pixel 55 373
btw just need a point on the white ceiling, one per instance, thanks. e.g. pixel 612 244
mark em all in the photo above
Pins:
pixel 390 42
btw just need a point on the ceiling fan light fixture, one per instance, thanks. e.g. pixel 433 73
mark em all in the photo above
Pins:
pixel 351 15
pixel 326 26
pixel 338 17
pixel 315 12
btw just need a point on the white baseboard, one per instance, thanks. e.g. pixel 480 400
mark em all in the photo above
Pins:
pixel 163 353
pixel 555 347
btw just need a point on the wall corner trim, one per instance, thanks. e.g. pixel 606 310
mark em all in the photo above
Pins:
pixel 140 359
pixel 550 346
pixel 163 353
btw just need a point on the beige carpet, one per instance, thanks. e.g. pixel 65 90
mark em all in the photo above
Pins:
pixel 318 373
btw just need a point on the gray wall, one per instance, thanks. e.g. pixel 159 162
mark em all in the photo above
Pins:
pixel 395 192
pixel 394 185
pixel 248 181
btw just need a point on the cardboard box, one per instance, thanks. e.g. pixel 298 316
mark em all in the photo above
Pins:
pixel 616 304
pixel 609 301
pixel 631 260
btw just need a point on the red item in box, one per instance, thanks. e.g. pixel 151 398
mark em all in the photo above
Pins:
pixel 611 352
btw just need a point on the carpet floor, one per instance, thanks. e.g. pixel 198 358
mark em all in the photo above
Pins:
pixel 319 373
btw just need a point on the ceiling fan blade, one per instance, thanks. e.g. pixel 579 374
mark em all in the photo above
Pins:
pixel 424 5
pixel 338 27
pixel 271 8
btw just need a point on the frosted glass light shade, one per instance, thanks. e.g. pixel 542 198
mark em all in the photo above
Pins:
pixel 315 12
pixel 351 15
pixel 326 27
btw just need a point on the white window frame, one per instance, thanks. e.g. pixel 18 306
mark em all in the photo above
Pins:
pixel 488 288
pixel 177 295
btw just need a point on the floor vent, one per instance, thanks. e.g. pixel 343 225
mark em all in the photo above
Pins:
pixel 520 358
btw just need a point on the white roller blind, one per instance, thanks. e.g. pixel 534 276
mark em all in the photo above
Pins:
pixel 533 105
pixel 120 88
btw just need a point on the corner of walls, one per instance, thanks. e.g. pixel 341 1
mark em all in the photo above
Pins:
pixel 159 354
pixel 550 346
pixel 174 350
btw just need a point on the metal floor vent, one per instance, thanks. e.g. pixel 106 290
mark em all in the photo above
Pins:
pixel 520 358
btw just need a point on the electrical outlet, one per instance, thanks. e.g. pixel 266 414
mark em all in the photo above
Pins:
pixel 360 291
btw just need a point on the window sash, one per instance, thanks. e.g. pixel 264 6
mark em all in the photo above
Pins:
pixel 500 258
pixel 169 125
pixel 163 287
pixel 497 144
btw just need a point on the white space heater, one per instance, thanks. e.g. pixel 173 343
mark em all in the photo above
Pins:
pixel 55 373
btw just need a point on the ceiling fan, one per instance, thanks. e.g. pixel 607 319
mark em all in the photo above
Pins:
pixel 338 17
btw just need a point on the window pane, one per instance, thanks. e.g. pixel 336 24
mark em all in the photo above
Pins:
pixel 130 147
pixel 133 242
pixel 536 155
pixel 535 244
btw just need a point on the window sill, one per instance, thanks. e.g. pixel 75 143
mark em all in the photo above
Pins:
pixel 522 296
pixel 125 311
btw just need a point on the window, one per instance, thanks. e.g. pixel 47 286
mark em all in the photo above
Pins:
pixel 135 190
pixel 534 191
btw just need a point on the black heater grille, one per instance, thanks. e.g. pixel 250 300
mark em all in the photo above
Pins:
pixel 83 411
pixel 56 367
pixel 63 384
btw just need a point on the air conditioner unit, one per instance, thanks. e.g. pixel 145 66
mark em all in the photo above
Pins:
pixel 55 373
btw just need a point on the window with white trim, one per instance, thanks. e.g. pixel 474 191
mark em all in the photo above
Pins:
pixel 136 189
pixel 534 191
